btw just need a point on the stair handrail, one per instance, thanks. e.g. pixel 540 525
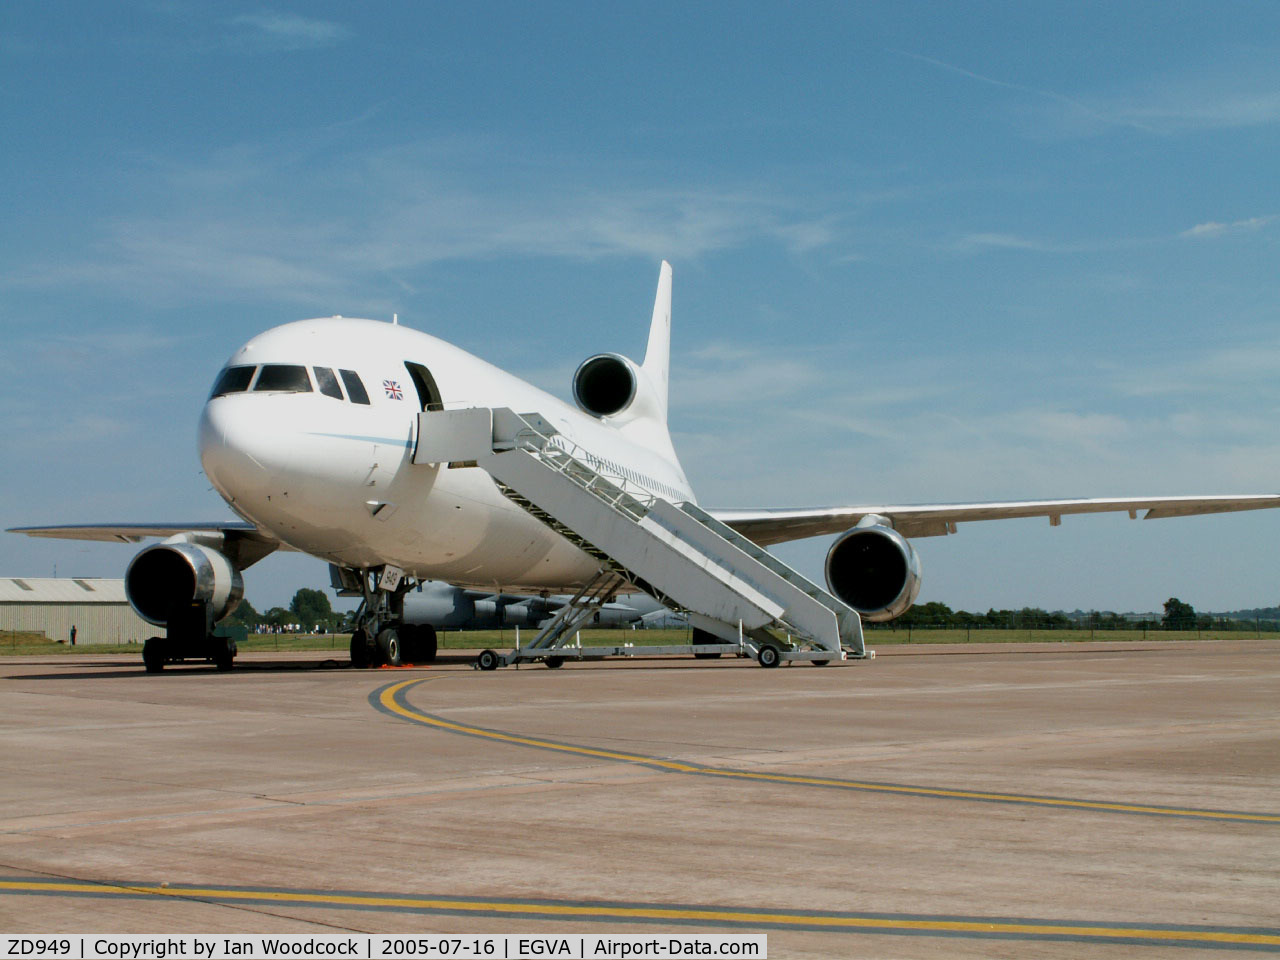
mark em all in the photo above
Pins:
pixel 634 504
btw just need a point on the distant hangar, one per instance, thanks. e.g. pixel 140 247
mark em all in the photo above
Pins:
pixel 97 608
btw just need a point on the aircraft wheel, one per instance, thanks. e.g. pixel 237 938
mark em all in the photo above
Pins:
pixel 359 649
pixel 417 643
pixel 224 656
pixel 409 642
pixel 554 663
pixel 769 656
pixel 488 660
pixel 153 654
pixel 389 647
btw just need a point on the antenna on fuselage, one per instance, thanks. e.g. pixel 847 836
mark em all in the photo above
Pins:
pixel 395 319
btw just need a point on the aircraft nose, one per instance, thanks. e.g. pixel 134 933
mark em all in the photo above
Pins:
pixel 229 434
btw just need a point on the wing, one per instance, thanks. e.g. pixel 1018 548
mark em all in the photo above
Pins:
pixel 938 519
pixel 243 543
pixel 507 599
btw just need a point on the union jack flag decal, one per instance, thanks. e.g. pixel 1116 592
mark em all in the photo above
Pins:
pixel 393 389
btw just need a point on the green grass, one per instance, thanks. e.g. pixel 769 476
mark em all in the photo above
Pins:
pixel 21 643
pixel 333 642
pixel 885 637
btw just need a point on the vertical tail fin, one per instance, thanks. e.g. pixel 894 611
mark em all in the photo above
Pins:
pixel 657 355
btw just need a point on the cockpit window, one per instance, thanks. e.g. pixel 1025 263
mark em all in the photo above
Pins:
pixel 327 382
pixel 232 380
pixel 355 387
pixel 283 376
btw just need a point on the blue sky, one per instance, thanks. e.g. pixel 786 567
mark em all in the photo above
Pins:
pixel 923 252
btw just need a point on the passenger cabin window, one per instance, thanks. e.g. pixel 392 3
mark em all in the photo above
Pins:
pixel 355 387
pixel 286 377
pixel 232 380
pixel 327 382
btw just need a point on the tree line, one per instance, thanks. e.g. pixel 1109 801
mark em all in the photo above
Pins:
pixel 310 609
pixel 1177 615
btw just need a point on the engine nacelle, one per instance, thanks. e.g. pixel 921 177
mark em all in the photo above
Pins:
pixel 873 569
pixel 165 579
pixel 605 385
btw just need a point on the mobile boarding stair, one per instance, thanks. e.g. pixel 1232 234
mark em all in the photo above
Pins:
pixel 680 555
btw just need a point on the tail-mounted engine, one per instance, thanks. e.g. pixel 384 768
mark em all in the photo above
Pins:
pixel 164 580
pixel 605 385
pixel 873 569
pixel 610 385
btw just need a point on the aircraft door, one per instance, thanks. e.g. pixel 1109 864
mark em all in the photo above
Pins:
pixel 428 393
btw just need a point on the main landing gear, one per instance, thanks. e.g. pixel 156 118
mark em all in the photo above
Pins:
pixel 381 637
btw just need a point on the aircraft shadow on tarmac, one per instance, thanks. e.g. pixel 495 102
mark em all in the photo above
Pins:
pixel 101 671
pixel 130 667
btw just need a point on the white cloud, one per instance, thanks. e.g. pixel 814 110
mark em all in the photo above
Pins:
pixel 1227 371
pixel 1067 109
pixel 1234 88
pixel 981 242
pixel 1212 229
pixel 988 242
pixel 265 224
pixel 1188 107
pixel 1237 89
pixel 269 30
pixel 835 429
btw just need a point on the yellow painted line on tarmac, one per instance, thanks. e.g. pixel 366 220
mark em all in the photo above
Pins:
pixel 391 699
pixel 1251 938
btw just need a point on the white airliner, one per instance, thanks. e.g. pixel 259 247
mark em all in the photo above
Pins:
pixel 310 434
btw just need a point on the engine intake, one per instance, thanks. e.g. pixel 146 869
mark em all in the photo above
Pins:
pixel 605 385
pixel 165 579
pixel 874 569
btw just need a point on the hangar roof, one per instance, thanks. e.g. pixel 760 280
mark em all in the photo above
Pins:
pixel 50 590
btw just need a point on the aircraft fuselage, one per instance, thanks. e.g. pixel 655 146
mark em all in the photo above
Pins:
pixel 287 442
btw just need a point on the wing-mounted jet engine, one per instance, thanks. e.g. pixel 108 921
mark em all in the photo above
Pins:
pixel 187 588
pixel 874 569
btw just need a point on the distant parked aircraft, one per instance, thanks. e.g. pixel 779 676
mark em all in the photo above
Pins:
pixel 435 605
